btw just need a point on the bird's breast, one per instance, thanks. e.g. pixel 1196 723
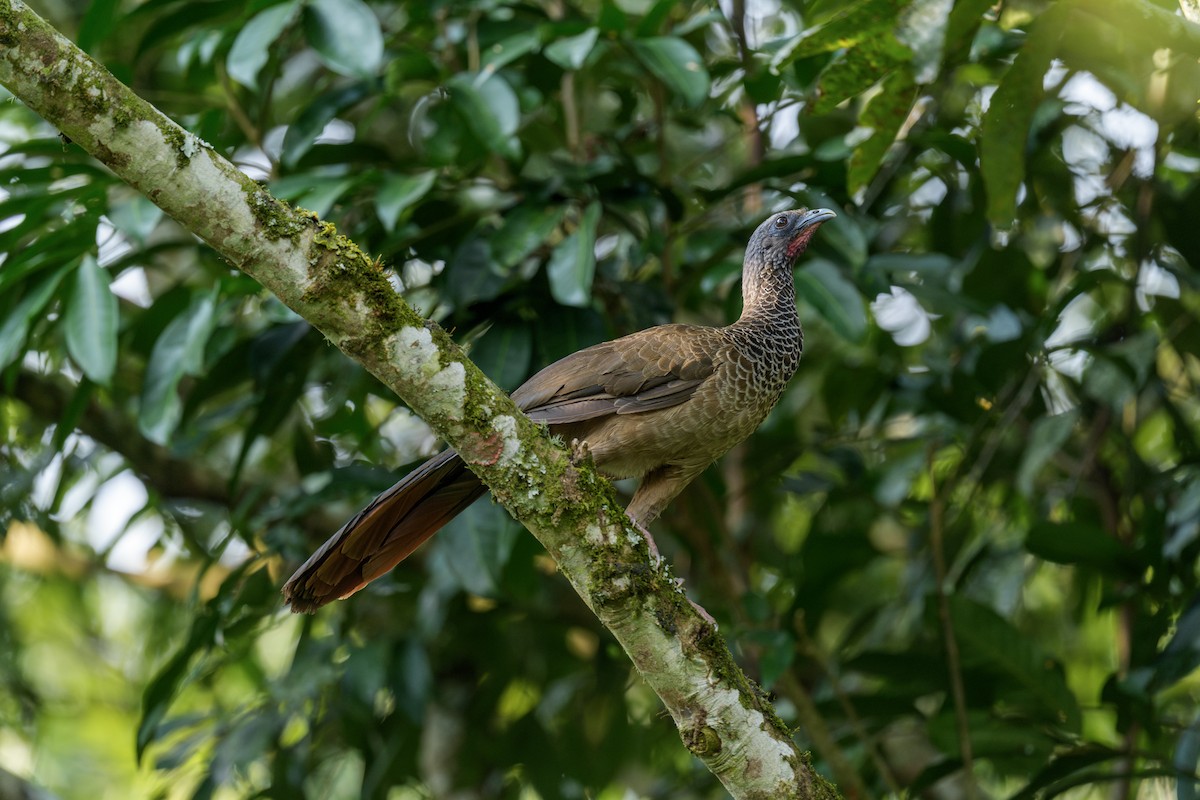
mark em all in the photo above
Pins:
pixel 725 410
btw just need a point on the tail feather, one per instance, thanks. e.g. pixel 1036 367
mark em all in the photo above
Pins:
pixel 385 532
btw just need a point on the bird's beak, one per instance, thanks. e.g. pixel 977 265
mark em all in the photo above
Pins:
pixel 815 217
pixel 805 230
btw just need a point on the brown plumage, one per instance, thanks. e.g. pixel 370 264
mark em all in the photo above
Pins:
pixel 661 404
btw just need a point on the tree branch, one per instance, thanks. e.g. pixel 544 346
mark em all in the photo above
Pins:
pixel 567 505
pixel 49 400
pixel 155 465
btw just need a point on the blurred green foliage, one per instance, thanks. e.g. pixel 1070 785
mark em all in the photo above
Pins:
pixel 973 520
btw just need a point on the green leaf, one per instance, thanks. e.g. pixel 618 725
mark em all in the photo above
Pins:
pixel 573 263
pixel 163 687
pixel 857 70
pixel 16 323
pixel 489 110
pixel 97 22
pixel 474 547
pixel 471 274
pixel 677 64
pixel 135 216
pixel 990 737
pixel 1065 765
pixel 834 297
pixel 964 20
pixel 778 653
pixel 301 135
pixel 654 17
pixel 1004 133
pixel 921 27
pixel 612 19
pixel 91 322
pixel 308 453
pixel 508 50
pixel 571 52
pixel 1117 41
pixel 503 353
pixel 345 34
pixel 415 680
pixel 178 351
pixel 317 194
pixel 68 422
pixel 280 360
pixel 884 115
pixel 700 21
pixel 1046 437
pixel 251 47
pixel 844 234
pixel 929 265
pixel 853 23
pixel 1187 761
pixel 988 639
pixel 398 193
pixel 1108 380
pixel 186 17
pixel 525 228
pixel 1078 543
pixel 1181 656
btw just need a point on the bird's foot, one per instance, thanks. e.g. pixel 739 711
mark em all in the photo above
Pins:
pixel 707 617
pixel 655 557
pixel 580 452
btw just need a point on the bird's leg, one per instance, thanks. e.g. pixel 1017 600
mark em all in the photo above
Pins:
pixel 655 556
pixel 580 452
pixel 699 608
pixel 657 559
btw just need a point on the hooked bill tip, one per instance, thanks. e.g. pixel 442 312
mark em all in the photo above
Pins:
pixel 818 215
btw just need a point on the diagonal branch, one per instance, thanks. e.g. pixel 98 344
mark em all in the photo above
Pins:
pixel 167 473
pixel 566 504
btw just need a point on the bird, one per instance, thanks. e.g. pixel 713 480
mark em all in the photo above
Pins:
pixel 661 404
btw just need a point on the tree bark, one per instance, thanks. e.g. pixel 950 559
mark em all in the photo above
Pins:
pixel 723 718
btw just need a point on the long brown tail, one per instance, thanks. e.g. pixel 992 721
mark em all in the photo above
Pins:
pixel 385 532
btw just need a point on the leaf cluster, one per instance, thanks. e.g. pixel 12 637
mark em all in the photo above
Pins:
pixel 961 554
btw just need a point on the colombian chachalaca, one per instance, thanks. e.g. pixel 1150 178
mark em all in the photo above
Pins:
pixel 661 404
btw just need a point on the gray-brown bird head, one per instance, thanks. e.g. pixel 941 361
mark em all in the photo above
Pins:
pixel 771 254
pixel 780 240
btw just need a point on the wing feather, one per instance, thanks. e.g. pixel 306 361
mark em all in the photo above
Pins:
pixel 646 371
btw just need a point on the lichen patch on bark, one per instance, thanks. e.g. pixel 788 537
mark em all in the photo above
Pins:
pixel 506 426
pixel 416 354
pixel 449 385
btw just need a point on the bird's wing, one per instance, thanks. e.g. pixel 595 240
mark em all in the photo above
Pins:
pixel 652 369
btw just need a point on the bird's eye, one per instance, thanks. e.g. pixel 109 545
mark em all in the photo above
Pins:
pixel 781 222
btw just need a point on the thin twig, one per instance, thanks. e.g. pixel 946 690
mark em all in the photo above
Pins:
pixel 1014 408
pixel 239 115
pixel 869 742
pixel 848 781
pixel 571 114
pixel 953 661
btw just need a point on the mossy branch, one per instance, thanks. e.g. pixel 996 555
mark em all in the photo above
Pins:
pixel 723 718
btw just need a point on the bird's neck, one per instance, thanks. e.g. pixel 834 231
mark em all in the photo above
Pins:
pixel 769 327
pixel 768 296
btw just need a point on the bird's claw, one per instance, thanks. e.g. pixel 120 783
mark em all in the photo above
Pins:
pixel 655 557
pixel 657 560
pixel 707 617
pixel 580 452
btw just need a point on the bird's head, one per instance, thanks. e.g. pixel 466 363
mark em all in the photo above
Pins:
pixel 784 236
